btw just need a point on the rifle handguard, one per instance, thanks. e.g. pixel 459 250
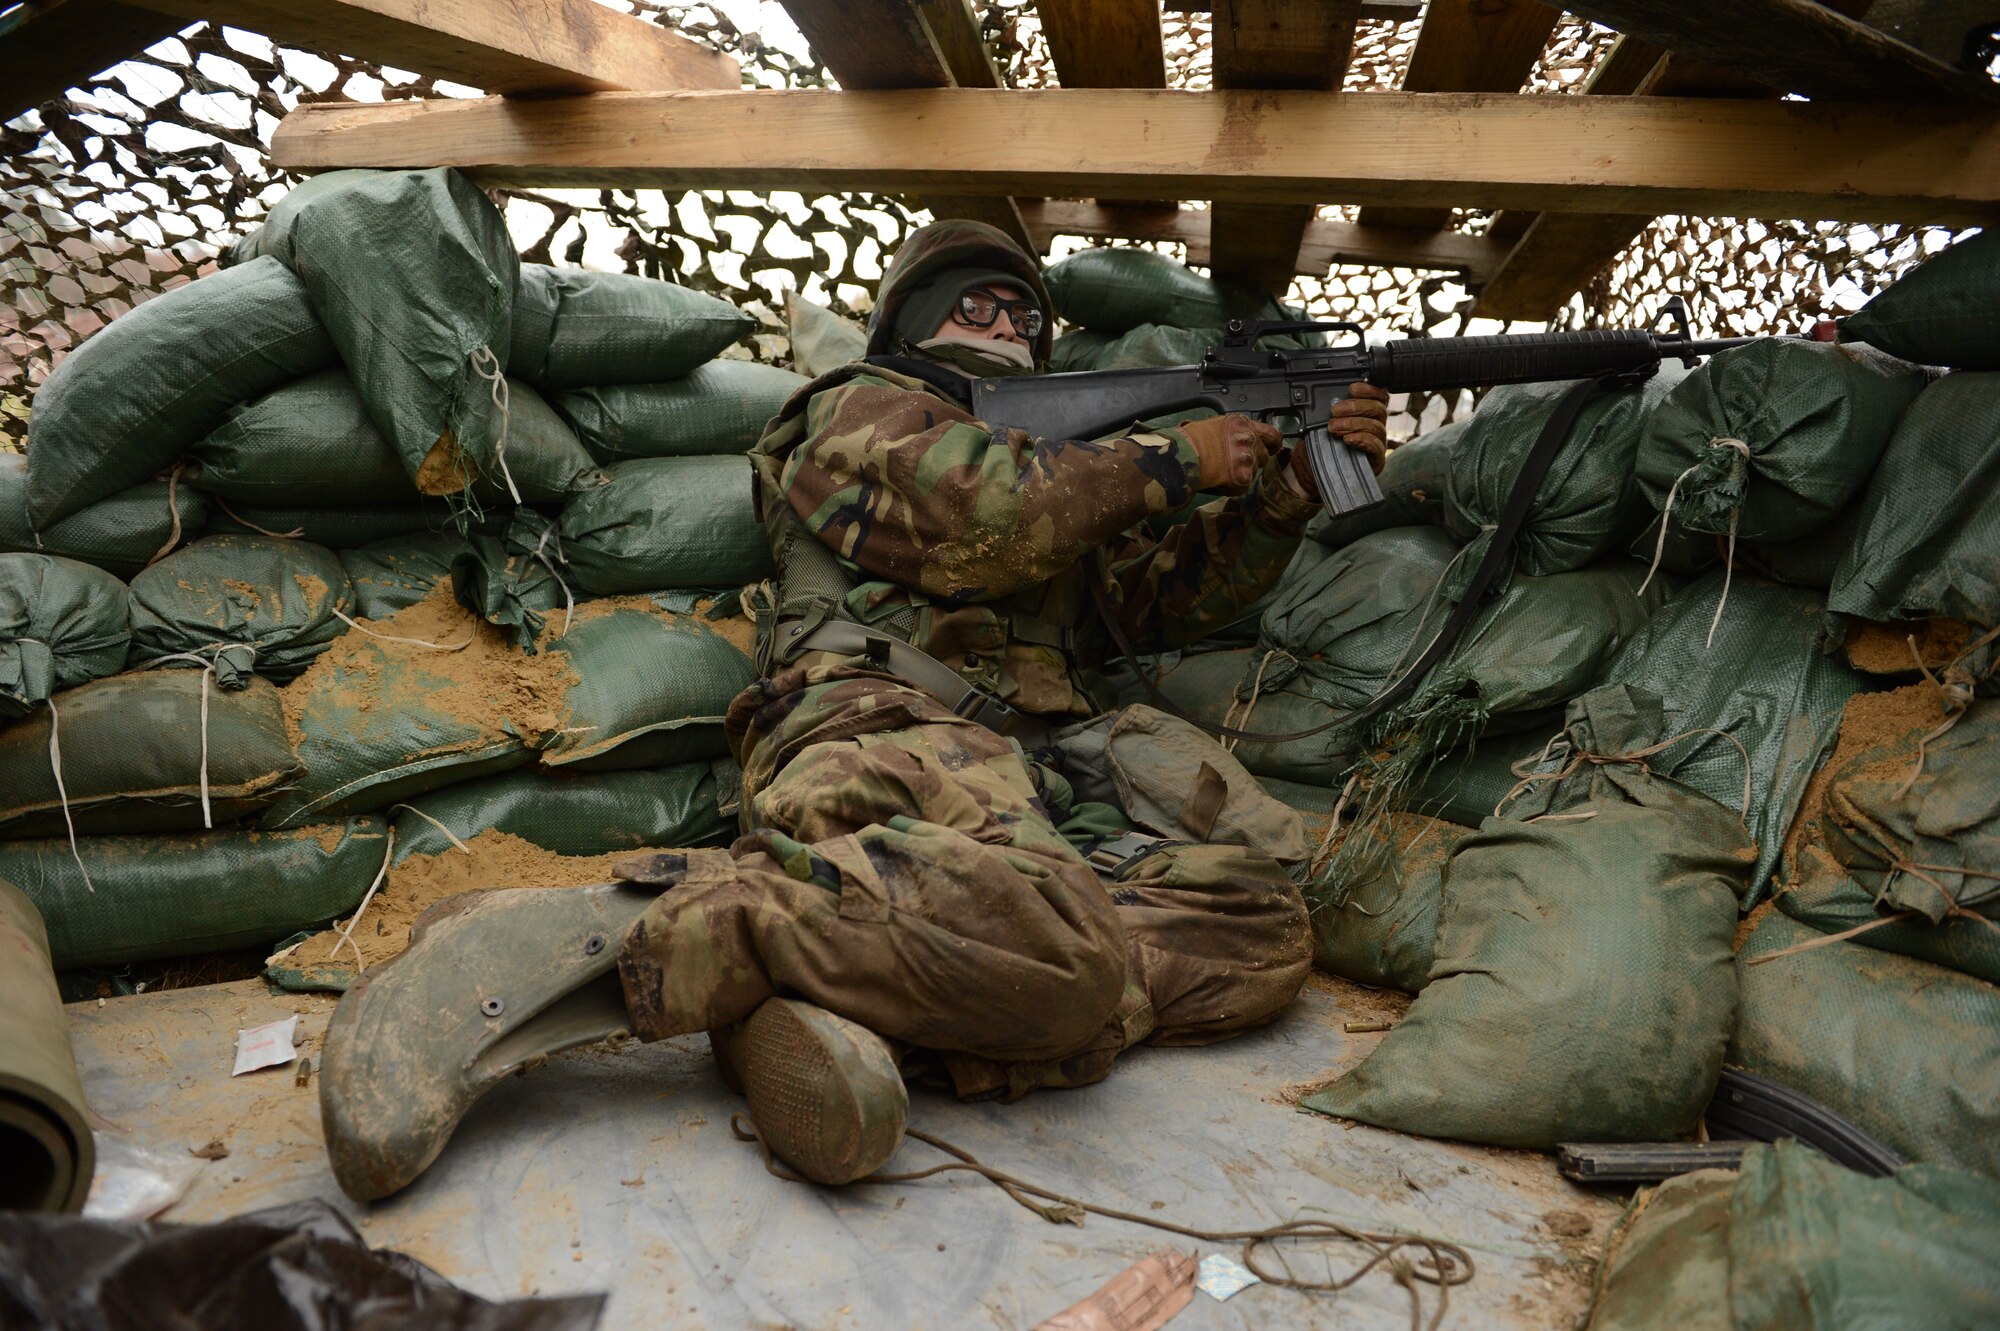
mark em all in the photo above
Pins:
pixel 1443 364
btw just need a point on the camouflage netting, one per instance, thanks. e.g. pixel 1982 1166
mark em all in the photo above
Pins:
pixel 133 183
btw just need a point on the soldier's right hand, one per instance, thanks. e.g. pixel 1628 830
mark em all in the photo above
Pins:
pixel 1232 449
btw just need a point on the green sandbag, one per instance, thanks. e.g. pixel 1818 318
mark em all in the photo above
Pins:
pixel 132 756
pixel 120 535
pixel 131 399
pixel 511 579
pixel 1945 311
pixel 243 603
pixel 573 328
pixel 821 340
pixel 1152 345
pixel 720 407
pixel 1079 350
pixel 1883 809
pixel 652 685
pixel 1117 290
pixel 413 274
pixel 1930 524
pixel 1224 688
pixel 350 528
pixel 1587 506
pixel 1468 784
pixel 1908 1050
pixel 47 1152
pixel 1666 1262
pixel 1804 561
pixel 1413 481
pixel 313 443
pixel 1813 419
pixel 1815 1247
pixel 377 720
pixel 1764 682
pixel 1354 617
pixel 173 896
pixel 578 813
pixel 1557 940
pixel 62 624
pixel 666 523
pixel 1379 925
pixel 397 573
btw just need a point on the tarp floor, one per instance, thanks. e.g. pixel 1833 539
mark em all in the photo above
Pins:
pixel 617 1170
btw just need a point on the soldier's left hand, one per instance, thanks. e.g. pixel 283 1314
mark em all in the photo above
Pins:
pixel 1362 421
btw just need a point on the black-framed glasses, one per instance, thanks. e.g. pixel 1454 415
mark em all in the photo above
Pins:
pixel 979 308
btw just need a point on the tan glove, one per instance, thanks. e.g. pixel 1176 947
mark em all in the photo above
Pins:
pixel 1231 448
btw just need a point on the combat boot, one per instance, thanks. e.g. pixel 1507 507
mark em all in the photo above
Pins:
pixel 492 982
pixel 824 1092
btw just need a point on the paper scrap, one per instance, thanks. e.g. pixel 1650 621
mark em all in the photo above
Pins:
pixel 1220 1277
pixel 265 1046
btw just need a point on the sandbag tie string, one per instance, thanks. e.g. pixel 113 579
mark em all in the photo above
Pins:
pixel 1582 757
pixel 207 673
pixel 1953 910
pixel 382 873
pixel 449 835
pixel 173 512
pixel 1739 467
pixel 1229 718
pixel 62 793
pixel 223 504
pixel 569 597
pixel 487 366
pixel 1438 1262
pixel 359 627
pixel 1954 693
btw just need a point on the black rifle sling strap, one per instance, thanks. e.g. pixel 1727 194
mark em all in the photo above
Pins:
pixel 1521 498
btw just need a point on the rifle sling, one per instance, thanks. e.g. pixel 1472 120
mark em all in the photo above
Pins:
pixel 1520 499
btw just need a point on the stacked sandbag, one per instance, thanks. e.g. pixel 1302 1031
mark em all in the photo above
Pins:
pixel 1134 309
pixel 579 813
pixel 62 623
pixel 667 523
pixel 1896 842
pixel 1908 1050
pixel 1586 507
pixel 1380 926
pixel 120 534
pixel 237 604
pixel 1770 442
pixel 395 574
pixel 822 340
pixel 1795 1242
pixel 512 579
pixel 1942 312
pixel 576 329
pixel 1581 987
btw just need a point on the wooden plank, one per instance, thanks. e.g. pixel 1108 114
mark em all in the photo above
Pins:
pixel 59 46
pixel 1273 44
pixel 1640 155
pixel 1470 46
pixel 1371 11
pixel 503 46
pixel 1325 243
pixel 873 45
pixel 1105 43
pixel 1794 46
pixel 955 28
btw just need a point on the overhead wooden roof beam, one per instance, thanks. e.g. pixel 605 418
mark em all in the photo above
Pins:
pixel 1273 44
pixel 876 45
pixel 53 48
pixel 1470 46
pixel 1641 155
pixel 502 46
pixel 1794 46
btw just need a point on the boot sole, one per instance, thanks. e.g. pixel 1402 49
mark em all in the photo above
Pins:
pixel 824 1092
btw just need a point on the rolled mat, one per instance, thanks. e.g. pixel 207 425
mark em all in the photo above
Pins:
pixel 46 1152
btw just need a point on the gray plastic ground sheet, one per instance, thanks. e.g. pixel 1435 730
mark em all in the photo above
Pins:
pixel 617 1170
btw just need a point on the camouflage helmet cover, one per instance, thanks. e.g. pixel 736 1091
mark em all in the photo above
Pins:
pixel 954 242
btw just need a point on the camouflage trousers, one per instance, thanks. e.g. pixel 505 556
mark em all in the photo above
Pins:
pixel 905 869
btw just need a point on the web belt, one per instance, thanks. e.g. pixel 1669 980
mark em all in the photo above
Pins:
pixel 918 667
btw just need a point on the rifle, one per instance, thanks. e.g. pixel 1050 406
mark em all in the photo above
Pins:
pixel 1305 384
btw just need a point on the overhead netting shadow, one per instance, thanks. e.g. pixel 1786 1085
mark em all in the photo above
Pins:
pixel 132 183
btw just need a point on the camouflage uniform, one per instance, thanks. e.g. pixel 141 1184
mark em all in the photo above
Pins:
pixel 915 871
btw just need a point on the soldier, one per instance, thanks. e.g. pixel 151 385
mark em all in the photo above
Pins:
pixel 962 861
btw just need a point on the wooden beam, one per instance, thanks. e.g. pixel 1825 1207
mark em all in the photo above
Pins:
pixel 1641 155
pixel 503 46
pixel 1794 46
pixel 60 46
pixel 1105 43
pixel 1556 254
pixel 1470 46
pixel 1273 44
pixel 955 28
pixel 880 45
pixel 1323 245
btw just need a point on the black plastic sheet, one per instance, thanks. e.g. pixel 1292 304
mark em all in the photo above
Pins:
pixel 300 1267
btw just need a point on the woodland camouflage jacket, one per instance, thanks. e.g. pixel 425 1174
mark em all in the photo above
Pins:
pixel 988 537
